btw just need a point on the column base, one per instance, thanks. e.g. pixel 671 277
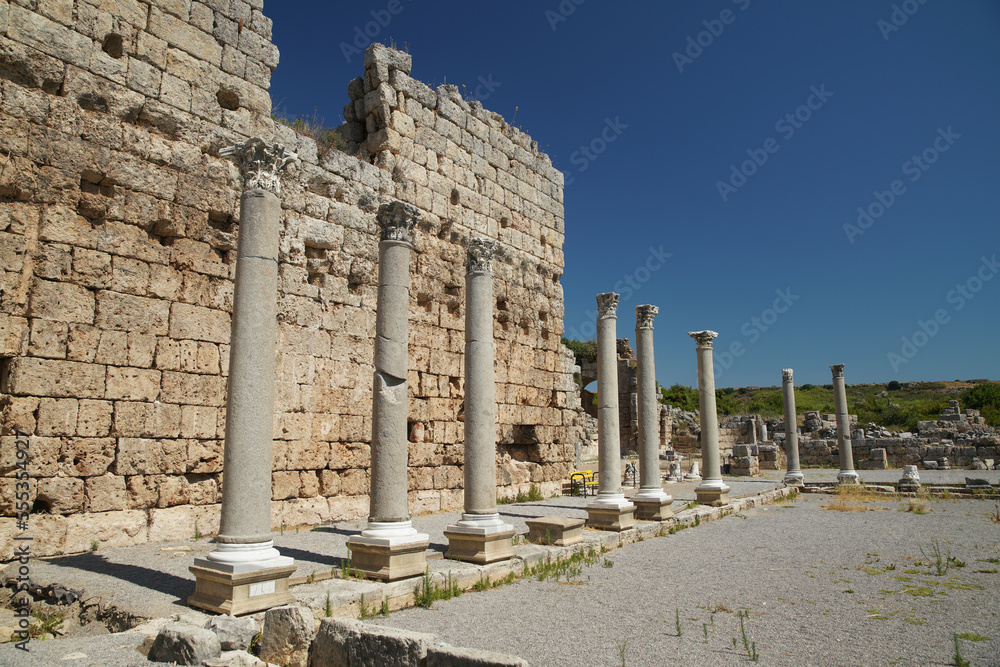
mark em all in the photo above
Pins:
pixel 488 543
pixel 390 558
pixel 242 588
pixel 713 493
pixel 611 517
pixel 794 478
pixel 848 477
pixel 557 531
pixel 907 486
pixel 653 509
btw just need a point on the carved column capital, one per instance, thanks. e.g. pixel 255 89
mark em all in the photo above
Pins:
pixel 260 163
pixel 479 255
pixel 644 315
pixel 396 221
pixel 786 374
pixel 838 370
pixel 607 305
pixel 703 338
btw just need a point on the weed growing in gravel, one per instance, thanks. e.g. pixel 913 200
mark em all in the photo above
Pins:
pixel 622 648
pixel 94 545
pixel 384 611
pixel 327 607
pixel 608 563
pixel 959 661
pixel 677 622
pixel 348 571
pixel 995 515
pixel 748 646
pixel 50 621
pixel 995 561
pixel 917 507
pixel 941 561
pixel 483 584
pixel 973 637
pixel 704 629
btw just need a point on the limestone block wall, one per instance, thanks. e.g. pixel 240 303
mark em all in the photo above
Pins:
pixel 118 228
pixel 900 451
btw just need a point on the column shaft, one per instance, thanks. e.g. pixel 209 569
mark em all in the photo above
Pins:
pixel 712 490
pixel 480 417
pixel 649 458
pixel 248 454
pixel 388 501
pixel 608 436
pixel 847 474
pixel 793 476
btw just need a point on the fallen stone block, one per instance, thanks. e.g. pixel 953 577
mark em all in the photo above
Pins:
pixel 184 645
pixel 288 632
pixel 342 642
pixel 235 634
pixel 443 655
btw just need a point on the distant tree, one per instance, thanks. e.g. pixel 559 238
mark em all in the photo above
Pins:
pixel 680 396
pixel 584 351
pixel 894 386
pixel 986 399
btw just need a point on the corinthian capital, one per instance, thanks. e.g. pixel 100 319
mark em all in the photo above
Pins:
pixel 479 258
pixel 838 370
pixel 644 316
pixel 786 374
pixel 260 163
pixel 397 220
pixel 607 305
pixel 703 338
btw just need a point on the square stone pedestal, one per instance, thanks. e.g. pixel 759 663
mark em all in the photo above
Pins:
pixel 479 545
pixel 653 509
pixel 555 530
pixel 241 589
pixel 850 478
pixel 712 497
pixel 610 517
pixel 388 559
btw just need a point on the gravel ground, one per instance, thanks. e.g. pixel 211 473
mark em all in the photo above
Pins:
pixel 153 581
pixel 821 587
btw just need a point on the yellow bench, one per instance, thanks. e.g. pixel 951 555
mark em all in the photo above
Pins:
pixel 582 480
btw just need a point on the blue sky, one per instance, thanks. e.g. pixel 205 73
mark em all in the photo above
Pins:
pixel 740 138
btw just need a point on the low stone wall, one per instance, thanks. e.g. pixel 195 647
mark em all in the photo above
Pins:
pixel 899 451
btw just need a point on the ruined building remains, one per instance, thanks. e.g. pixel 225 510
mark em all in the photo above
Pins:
pixel 118 233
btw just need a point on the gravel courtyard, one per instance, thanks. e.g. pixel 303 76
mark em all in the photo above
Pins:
pixel 819 587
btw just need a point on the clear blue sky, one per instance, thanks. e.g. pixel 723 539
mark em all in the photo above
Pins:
pixel 886 82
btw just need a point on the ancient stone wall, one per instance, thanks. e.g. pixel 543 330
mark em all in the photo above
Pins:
pixel 118 227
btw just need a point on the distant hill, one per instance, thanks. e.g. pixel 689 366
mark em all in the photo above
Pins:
pixel 893 405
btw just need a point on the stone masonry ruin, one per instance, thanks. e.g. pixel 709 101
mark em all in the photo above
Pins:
pixel 118 227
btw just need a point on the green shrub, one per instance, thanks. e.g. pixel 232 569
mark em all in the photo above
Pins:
pixel 986 399
pixel 583 351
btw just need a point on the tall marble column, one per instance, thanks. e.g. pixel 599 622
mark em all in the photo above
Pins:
pixel 480 536
pixel 794 476
pixel 245 573
pixel 712 490
pixel 650 501
pixel 610 510
pixel 847 474
pixel 390 548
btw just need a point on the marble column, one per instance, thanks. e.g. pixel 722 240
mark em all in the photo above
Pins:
pixel 761 430
pixel 712 490
pixel 651 502
pixel 847 474
pixel 793 476
pixel 390 548
pixel 245 573
pixel 610 510
pixel 480 536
